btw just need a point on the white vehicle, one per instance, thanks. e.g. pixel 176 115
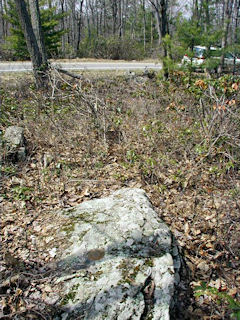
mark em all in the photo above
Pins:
pixel 198 57
pixel 200 54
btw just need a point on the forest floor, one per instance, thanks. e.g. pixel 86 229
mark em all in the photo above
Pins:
pixel 176 139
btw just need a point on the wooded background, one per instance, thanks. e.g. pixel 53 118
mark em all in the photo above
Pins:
pixel 121 29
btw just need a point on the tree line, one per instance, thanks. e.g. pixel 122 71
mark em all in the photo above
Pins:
pixel 98 28
pixel 116 29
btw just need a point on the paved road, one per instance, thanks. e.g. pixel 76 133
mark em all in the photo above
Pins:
pixel 81 66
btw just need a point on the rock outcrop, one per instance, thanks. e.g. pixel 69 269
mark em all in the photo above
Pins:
pixel 14 144
pixel 120 262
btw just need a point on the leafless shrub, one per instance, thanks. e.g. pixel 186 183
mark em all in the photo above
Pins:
pixel 220 123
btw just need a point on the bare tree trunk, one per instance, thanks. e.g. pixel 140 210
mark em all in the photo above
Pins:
pixel 164 18
pixel 37 29
pixel 133 22
pixel 124 14
pixel 72 24
pixel 1 23
pixel 88 21
pixel 114 15
pixel 152 29
pixel 104 17
pixel 155 6
pixel 5 21
pixel 207 22
pixel 201 14
pixel 79 25
pixel 63 26
pixel 40 66
pixel 144 25
pixel 120 19
pixel 195 11
pixel 97 19
pixel 160 8
pixel 91 6
pixel 227 13
pixel 237 16
pixel 101 20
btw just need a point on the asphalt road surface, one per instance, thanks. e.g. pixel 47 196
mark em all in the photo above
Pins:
pixel 81 66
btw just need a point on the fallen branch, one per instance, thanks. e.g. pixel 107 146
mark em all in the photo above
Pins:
pixel 73 75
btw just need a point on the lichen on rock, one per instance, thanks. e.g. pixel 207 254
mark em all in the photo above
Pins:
pixel 118 264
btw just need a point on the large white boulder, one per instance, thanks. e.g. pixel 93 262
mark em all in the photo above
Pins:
pixel 120 260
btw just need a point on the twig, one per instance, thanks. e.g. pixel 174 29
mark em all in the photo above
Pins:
pixel 91 180
pixel 91 106
pixel 39 313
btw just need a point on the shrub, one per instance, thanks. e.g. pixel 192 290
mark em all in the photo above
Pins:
pixel 111 48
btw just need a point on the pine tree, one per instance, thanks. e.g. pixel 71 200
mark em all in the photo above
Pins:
pixel 52 34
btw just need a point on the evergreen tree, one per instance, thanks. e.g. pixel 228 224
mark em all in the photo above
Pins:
pixel 189 33
pixel 52 35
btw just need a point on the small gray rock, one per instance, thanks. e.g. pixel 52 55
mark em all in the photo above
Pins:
pixel 14 144
pixel 14 136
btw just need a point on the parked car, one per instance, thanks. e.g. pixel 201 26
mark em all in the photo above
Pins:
pixel 229 59
pixel 198 57
pixel 200 54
